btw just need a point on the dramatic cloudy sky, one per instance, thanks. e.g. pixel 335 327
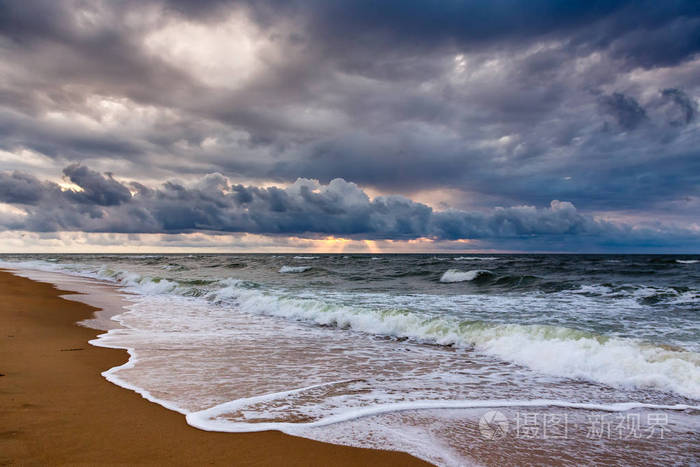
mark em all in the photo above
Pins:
pixel 349 125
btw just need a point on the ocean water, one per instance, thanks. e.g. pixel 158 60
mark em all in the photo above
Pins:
pixel 417 352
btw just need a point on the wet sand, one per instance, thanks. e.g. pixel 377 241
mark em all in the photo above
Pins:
pixel 56 408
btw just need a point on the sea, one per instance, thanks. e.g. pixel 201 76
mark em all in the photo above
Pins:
pixel 458 359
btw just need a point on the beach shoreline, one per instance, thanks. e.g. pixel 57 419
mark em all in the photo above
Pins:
pixel 56 408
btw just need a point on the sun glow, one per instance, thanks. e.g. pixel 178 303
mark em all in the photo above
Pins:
pixel 332 244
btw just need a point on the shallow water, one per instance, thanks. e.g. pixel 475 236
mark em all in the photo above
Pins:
pixel 410 352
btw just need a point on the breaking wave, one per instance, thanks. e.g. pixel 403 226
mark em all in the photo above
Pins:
pixel 294 269
pixel 455 275
pixel 553 350
pixel 549 349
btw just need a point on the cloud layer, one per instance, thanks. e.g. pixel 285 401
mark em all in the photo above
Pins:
pixel 306 208
pixel 504 103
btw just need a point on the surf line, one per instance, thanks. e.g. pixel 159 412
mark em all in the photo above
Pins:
pixel 210 419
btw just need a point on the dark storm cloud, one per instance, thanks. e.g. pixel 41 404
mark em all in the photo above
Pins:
pixel 512 102
pixel 425 23
pixel 680 109
pixel 96 188
pixel 305 209
pixel 625 110
pixel 22 188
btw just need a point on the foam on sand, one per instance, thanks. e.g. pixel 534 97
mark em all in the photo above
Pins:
pixel 211 419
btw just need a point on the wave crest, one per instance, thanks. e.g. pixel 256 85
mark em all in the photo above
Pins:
pixel 455 275
pixel 553 350
pixel 294 269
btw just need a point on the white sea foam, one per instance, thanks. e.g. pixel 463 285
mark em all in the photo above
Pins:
pixel 174 342
pixel 210 419
pixel 635 295
pixel 306 257
pixel 131 281
pixel 111 375
pixel 294 269
pixel 253 413
pixel 455 275
pixel 594 289
pixel 687 261
pixel 553 350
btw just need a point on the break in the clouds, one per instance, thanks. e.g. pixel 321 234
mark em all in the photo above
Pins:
pixel 468 110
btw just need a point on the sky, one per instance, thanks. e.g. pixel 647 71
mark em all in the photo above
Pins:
pixel 349 126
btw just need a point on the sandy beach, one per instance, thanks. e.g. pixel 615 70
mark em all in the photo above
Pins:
pixel 56 408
